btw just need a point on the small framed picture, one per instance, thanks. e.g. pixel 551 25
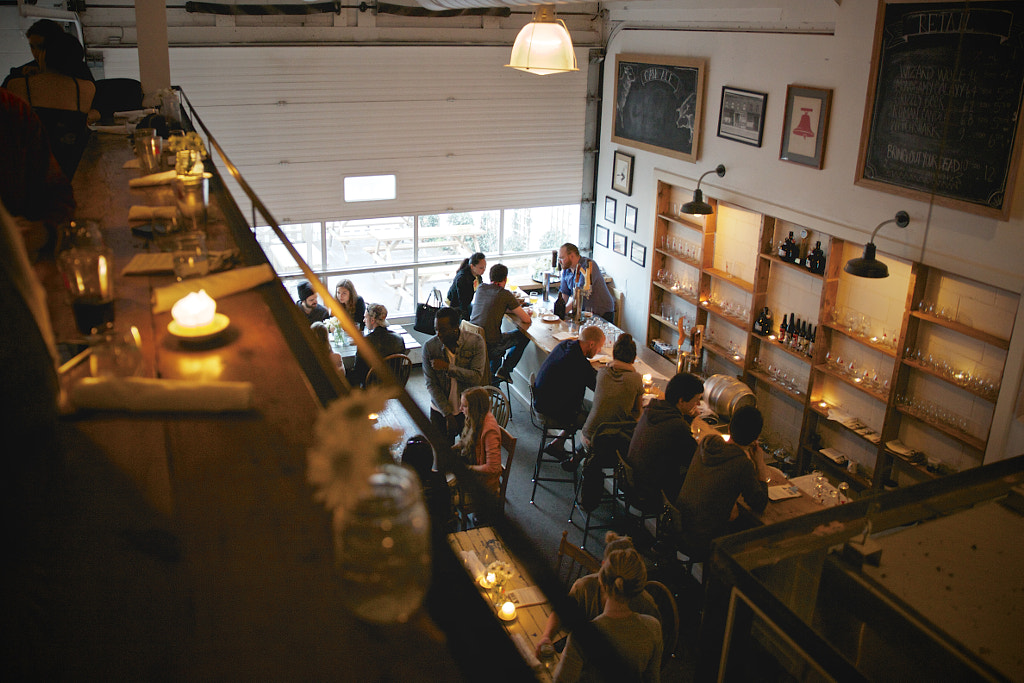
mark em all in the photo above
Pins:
pixel 741 117
pixel 609 209
pixel 622 173
pixel 630 219
pixel 602 236
pixel 638 254
pixel 805 126
pixel 619 243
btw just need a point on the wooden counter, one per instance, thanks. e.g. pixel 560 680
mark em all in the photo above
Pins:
pixel 188 546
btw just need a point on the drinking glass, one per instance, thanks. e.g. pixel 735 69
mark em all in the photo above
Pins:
pixel 191 193
pixel 191 258
pixel 89 277
pixel 149 148
pixel 114 354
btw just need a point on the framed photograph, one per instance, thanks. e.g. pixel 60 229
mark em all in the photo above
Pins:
pixel 638 254
pixel 609 209
pixel 741 117
pixel 622 173
pixel 659 104
pixel 602 236
pixel 805 126
pixel 630 219
pixel 619 243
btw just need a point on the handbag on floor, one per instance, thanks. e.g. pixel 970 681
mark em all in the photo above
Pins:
pixel 426 311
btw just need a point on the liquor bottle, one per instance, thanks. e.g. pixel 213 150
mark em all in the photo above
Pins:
pixel 763 323
pixel 816 259
pixel 790 251
pixel 804 335
pixel 783 329
pixel 794 334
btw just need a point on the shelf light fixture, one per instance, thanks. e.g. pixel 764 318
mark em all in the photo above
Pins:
pixel 869 266
pixel 699 207
pixel 544 46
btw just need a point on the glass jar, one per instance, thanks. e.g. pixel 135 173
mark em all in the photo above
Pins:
pixel 383 548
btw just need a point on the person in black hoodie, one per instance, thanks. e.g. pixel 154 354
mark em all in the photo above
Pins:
pixel 720 473
pixel 467 279
pixel 663 445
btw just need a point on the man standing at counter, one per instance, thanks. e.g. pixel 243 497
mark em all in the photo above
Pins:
pixel 490 304
pixel 575 269
pixel 562 381
pixel 453 361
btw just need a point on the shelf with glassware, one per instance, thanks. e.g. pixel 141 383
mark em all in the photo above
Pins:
pixel 858 482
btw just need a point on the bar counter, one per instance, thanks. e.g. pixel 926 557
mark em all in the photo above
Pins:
pixel 188 546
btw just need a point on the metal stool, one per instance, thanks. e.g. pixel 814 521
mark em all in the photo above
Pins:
pixel 610 442
pixel 550 429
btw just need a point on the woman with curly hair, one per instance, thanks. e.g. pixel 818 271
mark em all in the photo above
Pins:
pixel 480 443
pixel 345 293
pixel 635 637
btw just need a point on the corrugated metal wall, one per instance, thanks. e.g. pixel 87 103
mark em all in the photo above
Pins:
pixel 461 131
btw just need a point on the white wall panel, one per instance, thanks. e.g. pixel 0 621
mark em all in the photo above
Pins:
pixel 461 131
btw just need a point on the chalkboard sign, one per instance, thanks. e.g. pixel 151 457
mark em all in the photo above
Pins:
pixel 944 102
pixel 659 104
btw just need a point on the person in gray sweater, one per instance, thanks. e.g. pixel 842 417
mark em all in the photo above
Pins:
pixel 618 391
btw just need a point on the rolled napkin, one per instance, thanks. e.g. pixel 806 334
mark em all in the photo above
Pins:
pixel 148 213
pixel 217 286
pixel 122 128
pixel 526 651
pixel 473 564
pixel 153 179
pixel 140 394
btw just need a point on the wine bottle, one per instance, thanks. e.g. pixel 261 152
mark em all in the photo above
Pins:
pixel 794 331
pixel 810 341
pixel 783 328
pixel 816 259
pixel 791 251
pixel 804 335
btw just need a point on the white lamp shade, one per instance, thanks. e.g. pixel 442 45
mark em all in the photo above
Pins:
pixel 543 48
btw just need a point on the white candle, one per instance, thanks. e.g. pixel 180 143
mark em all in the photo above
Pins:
pixel 487 580
pixel 196 309
pixel 507 611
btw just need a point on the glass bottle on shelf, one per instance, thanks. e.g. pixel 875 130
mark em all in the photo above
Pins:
pixel 816 259
pixel 783 330
pixel 789 251
pixel 763 323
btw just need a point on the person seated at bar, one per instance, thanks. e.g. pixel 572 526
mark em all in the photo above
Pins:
pixel 490 304
pixel 618 391
pixel 354 305
pixel 467 279
pixel 586 591
pixel 662 446
pixel 38 34
pixel 453 361
pixel 323 334
pixel 563 380
pixel 61 99
pixel 720 473
pixel 635 637
pixel 33 189
pixel 310 305
pixel 575 270
pixel 380 337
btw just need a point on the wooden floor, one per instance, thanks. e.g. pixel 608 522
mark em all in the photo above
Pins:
pixel 545 520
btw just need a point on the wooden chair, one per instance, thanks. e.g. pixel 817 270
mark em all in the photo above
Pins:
pixel 508 447
pixel 499 405
pixel 666 603
pixel 573 562
pixel 400 366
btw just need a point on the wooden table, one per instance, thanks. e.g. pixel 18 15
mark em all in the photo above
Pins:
pixel 528 626
pixel 188 546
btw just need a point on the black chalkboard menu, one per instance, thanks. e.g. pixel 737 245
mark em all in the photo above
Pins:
pixel 659 104
pixel 944 102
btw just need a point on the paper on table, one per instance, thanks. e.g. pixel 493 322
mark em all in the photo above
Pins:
pixel 217 286
pixel 148 213
pixel 152 179
pixel 159 395
pixel 473 564
pixel 524 597
pixel 562 336
pixel 163 262
pixel 525 650
pixel 131 163
pixel 783 492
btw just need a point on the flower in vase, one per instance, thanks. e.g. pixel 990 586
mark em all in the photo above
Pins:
pixel 347 448
pixel 188 141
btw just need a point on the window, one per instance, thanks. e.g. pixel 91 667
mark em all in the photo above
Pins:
pixel 369 188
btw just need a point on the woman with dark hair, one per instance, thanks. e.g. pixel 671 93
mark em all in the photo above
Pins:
pixel 345 293
pixel 480 443
pixel 618 390
pixel 60 99
pixel 467 279
pixel 635 637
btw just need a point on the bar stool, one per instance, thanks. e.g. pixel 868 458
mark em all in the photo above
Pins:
pixel 610 442
pixel 550 429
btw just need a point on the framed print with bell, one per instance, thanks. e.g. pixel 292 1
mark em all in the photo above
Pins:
pixel 805 125
pixel 622 173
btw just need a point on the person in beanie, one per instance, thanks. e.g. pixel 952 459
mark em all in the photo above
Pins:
pixel 309 304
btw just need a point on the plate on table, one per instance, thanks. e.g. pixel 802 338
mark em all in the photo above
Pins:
pixel 550 318
pixel 219 324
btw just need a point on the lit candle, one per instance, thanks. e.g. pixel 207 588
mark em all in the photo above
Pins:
pixel 823 405
pixel 487 580
pixel 507 611
pixel 101 264
pixel 196 309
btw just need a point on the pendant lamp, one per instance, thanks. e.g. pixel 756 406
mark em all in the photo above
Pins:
pixel 543 46
pixel 699 207
pixel 869 266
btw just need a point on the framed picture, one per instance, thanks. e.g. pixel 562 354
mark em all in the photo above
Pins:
pixel 741 117
pixel 805 126
pixel 619 243
pixel 630 219
pixel 659 104
pixel 609 209
pixel 602 236
pixel 622 173
pixel 638 254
